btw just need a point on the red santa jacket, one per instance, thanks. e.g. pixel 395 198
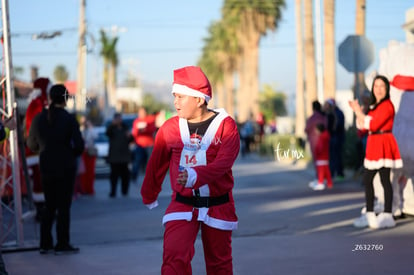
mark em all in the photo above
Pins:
pixel 214 179
pixel 143 130
pixel 382 148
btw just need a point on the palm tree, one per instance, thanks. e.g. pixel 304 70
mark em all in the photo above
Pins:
pixel 110 58
pixel 211 64
pixel 253 19
pixel 330 57
pixel 300 96
pixel 219 60
pixel 310 87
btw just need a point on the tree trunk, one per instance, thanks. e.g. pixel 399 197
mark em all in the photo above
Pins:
pixel 107 99
pixel 300 97
pixel 112 89
pixel 330 58
pixel 219 100
pixel 228 83
pixel 310 87
pixel 248 97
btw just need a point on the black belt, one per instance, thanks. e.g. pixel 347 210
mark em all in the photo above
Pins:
pixel 380 132
pixel 200 202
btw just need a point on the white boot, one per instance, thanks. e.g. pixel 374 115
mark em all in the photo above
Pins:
pixel 361 221
pixel 372 220
pixel 385 220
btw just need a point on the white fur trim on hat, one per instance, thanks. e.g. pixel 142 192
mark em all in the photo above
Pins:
pixel 184 90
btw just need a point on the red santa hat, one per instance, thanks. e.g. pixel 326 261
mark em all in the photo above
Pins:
pixel 403 82
pixel 42 87
pixel 191 81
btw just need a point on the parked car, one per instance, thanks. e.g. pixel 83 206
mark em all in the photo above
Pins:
pixel 101 142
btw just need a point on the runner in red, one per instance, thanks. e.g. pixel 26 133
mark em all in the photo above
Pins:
pixel 198 147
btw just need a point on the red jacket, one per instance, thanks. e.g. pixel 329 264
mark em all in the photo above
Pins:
pixel 143 130
pixel 216 177
pixel 382 148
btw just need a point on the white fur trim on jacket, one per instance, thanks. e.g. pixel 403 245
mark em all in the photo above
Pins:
pixel 212 222
pixel 367 121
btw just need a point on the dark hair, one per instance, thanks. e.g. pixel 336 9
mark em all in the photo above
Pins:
pixel 321 127
pixel 57 95
pixel 316 106
pixel 373 101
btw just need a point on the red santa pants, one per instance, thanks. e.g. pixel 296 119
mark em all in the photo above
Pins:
pixel 179 238
pixel 324 173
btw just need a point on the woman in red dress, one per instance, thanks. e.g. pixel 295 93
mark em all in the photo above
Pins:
pixel 382 153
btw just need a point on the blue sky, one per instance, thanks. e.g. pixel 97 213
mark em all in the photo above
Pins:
pixel 158 36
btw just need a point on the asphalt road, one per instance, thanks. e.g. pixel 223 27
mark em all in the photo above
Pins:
pixel 284 228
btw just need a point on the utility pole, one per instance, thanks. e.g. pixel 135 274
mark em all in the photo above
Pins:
pixel 300 83
pixel 319 62
pixel 360 30
pixel 81 97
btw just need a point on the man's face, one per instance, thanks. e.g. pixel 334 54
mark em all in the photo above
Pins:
pixel 186 106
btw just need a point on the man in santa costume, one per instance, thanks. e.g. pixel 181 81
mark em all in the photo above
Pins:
pixel 38 100
pixel 198 147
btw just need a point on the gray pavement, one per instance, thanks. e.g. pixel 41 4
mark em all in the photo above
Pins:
pixel 284 228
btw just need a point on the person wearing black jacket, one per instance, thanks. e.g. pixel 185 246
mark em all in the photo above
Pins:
pixel 336 128
pixel 119 154
pixel 55 134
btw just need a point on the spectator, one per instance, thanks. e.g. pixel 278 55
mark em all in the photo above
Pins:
pixel 381 154
pixel 317 117
pixel 336 128
pixel 38 100
pixel 322 159
pixel 143 130
pixel 55 134
pixel 87 178
pixel 119 155
pixel 247 132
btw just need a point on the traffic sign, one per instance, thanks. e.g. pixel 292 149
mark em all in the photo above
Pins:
pixel 356 53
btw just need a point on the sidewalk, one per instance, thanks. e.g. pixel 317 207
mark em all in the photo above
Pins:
pixel 284 228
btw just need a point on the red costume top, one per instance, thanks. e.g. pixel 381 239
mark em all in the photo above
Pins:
pixel 382 148
pixel 39 101
pixel 221 144
pixel 143 130
pixel 322 149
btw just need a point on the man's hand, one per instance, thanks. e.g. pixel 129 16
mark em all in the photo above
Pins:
pixel 182 178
